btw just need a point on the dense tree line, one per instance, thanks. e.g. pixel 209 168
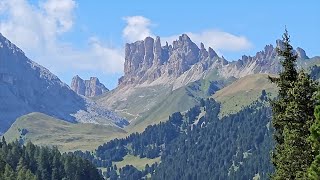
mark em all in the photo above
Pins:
pixel 32 162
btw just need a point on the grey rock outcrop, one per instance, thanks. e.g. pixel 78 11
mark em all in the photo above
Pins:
pixel 88 88
pixel 26 87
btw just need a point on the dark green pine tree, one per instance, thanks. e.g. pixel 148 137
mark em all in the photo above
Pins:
pixel 9 174
pixel 314 170
pixel 285 81
pixel 297 154
pixel 57 171
pixel 292 118
pixel 286 77
pixel 44 166
pixel 21 170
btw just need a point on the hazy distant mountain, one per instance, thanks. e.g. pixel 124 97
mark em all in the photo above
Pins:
pixel 88 88
pixel 28 87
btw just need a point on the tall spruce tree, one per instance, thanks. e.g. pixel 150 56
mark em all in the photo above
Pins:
pixel 285 81
pixel 314 170
pixel 292 117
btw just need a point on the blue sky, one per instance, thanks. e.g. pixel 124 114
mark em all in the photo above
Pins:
pixel 87 37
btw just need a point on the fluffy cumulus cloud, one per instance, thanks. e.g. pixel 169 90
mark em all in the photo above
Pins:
pixel 99 58
pixel 37 29
pixel 137 28
pixel 221 41
pixel 60 12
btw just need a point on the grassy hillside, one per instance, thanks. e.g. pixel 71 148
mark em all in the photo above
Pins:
pixel 45 130
pixel 243 92
pixel 135 161
pixel 144 106
pixel 131 102
pixel 181 99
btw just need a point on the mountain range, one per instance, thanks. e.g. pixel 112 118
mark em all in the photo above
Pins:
pixel 148 63
pixel 158 81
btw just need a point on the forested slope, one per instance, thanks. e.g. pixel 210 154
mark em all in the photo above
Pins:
pixel 196 144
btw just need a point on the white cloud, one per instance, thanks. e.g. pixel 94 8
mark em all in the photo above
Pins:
pixel 218 40
pixel 137 28
pixel 98 57
pixel 60 11
pixel 221 41
pixel 36 29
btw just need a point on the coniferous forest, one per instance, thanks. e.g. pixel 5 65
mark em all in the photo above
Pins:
pixel 30 162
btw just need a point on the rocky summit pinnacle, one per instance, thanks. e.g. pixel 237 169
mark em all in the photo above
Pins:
pixel 88 88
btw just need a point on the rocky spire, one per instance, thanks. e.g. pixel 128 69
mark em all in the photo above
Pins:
pixel 203 52
pixel 157 51
pixel 212 54
pixel 78 85
pixel 88 88
pixel 148 52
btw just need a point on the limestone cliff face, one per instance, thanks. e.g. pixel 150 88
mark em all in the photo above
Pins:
pixel 88 88
pixel 26 87
pixel 146 61
pixel 149 63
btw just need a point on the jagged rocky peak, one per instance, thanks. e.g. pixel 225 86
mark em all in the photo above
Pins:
pixel 301 53
pixel 88 88
pixel 264 56
pixel 203 52
pixel 148 60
